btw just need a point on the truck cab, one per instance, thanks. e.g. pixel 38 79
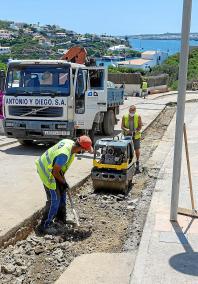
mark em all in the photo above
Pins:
pixel 47 100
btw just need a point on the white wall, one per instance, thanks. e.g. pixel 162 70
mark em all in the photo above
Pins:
pixel 4 50
pixel 131 89
pixel 148 56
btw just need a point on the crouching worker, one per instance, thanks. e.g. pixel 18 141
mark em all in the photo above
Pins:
pixel 51 167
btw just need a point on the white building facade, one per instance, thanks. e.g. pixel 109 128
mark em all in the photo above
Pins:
pixel 4 34
pixel 5 50
pixel 148 60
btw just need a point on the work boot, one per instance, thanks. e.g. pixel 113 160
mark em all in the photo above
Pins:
pixel 50 230
pixel 60 226
pixel 137 167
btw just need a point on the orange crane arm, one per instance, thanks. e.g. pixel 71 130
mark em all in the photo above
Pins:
pixel 76 54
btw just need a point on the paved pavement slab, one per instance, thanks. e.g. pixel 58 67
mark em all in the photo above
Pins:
pixel 168 250
pixel 100 268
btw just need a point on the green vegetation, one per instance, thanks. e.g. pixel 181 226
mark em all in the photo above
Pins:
pixel 171 67
pixel 4 24
pixel 112 69
pixel 3 66
pixel 127 53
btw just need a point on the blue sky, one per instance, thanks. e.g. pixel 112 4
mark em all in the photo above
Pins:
pixel 102 16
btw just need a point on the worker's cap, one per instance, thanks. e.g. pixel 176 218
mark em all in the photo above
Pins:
pixel 85 143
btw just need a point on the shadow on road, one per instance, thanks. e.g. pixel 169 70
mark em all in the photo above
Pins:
pixel 38 149
pixel 33 150
pixel 186 262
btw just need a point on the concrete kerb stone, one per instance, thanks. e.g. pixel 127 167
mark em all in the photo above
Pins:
pixel 149 124
pixel 22 230
pixel 8 143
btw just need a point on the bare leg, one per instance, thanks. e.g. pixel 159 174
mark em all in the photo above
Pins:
pixel 137 154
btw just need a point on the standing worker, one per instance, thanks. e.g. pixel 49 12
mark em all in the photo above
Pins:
pixel 144 89
pixel 131 126
pixel 51 167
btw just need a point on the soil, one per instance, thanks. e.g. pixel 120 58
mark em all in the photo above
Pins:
pixel 108 223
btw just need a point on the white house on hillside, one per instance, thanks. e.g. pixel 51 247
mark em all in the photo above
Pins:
pixel 118 47
pixel 5 50
pixel 5 34
pixel 148 60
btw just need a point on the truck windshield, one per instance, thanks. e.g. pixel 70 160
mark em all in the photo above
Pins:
pixel 38 80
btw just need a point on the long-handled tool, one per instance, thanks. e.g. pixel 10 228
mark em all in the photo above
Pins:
pixel 193 212
pixel 73 209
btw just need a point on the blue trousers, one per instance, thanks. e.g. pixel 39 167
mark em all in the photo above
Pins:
pixel 55 206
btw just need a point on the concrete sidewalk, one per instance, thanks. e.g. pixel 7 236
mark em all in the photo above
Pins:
pixel 168 251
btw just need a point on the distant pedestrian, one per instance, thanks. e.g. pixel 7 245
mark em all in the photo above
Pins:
pixel 144 89
pixel 131 126
pixel 51 167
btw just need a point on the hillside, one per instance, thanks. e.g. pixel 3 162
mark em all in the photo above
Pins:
pixel 171 67
pixel 32 41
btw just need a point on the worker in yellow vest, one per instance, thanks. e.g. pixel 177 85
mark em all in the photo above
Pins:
pixel 131 126
pixel 144 89
pixel 51 167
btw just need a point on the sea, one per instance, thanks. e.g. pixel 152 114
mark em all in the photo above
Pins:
pixel 170 46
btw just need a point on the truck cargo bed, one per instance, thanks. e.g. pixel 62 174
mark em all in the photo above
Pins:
pixel 115 96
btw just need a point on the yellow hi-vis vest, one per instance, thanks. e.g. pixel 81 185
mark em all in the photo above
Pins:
pixel 45 163
pixel 126 124
pixel 144 86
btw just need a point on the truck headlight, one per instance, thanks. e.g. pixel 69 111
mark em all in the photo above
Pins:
pixel 9 124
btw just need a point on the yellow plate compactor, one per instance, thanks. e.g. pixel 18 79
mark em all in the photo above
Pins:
pixel 113 166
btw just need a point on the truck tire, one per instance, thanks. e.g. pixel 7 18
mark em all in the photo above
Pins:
pixel 92 133
pixel 109 122
pixel 25 142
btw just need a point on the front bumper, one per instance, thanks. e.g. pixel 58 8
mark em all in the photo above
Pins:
pixel 38 130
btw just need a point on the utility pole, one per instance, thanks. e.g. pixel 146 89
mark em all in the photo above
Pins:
pixel 183 67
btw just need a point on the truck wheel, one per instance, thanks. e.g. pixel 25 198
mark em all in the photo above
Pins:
pixel 109 122
pixel 25 142
pixel 92 133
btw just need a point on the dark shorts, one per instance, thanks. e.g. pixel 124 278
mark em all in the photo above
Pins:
pixel 136 144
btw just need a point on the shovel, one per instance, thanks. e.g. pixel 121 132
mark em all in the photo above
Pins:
pixel 73 209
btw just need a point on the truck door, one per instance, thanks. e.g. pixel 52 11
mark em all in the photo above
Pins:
pixel 90 95
pixel 98 86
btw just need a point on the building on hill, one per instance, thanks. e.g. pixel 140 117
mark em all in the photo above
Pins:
pixel 118 47
pixel 13 26
pixel 45 42
pixel 17 26
pixel 60 35
pixel 62 51
pixel 28 32
pixel 148 60
pixel 5 34
pixel 5 50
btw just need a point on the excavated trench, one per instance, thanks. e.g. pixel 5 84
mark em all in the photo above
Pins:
pixel 109 223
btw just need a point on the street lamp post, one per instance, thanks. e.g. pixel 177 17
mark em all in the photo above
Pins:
pixel 186 20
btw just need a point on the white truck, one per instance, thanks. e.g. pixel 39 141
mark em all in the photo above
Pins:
pixel 48 100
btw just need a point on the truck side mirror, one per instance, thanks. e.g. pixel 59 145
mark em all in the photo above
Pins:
pixel 2 79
